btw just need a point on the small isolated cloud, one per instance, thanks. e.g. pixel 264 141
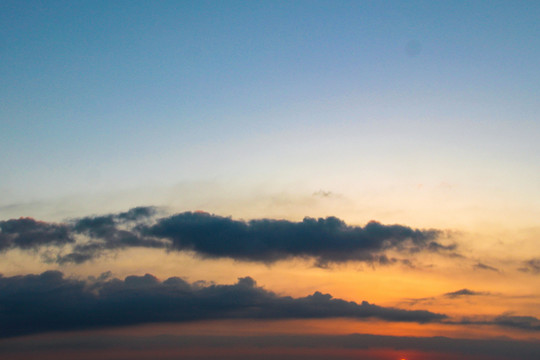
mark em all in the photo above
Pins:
pixel 464 292
pixel 480 266
pixel 449 295
pixel 327 240
pixel 51 302
pixel 324 194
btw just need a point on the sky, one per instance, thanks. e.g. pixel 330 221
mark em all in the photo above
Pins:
pixel 269 179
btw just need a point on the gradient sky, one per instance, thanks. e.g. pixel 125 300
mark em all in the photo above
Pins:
pixel 417 113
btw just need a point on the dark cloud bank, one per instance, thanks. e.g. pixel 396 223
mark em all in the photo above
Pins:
pixel 51 302
pixel 327 240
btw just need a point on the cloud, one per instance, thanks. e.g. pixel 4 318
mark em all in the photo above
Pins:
pixel 519 322
pixel 532 266
pixel 449 295
pixel 464 292
pixel 481 266
pixel 325 194
pixel 110 232
pixel 327 240
pixel 27 233
pixel 105 231
pixel 267 240
pixel 50 302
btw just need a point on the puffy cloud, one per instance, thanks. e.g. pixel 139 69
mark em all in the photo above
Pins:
pixel 327 240
pixel 110 232
pixel 27 233
pixel 49 302
pixel 267 240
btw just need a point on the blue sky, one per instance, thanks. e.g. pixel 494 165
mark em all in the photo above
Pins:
pixel 102 96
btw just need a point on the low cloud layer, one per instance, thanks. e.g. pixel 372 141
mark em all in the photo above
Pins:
pixel 508 320
pixel 88 346
pixel 51 302
pixel 327 240
pixel 530 323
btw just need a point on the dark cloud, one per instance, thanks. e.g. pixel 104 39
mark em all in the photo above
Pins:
pixel 532 266
pixel 105 232
pixel 449 295
pixel 27 233
pixel 519 322
pixel 481 266
pixel 327 240
pixel 464 292
pixel 110 232
pixel 49 302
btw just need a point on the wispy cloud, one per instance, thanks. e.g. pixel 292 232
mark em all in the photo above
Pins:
pixel 481 266
pixel 464 292
pixel 449 295
pixel 519 322
pixel 508 320
pixel 325 194
pixel 532 266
